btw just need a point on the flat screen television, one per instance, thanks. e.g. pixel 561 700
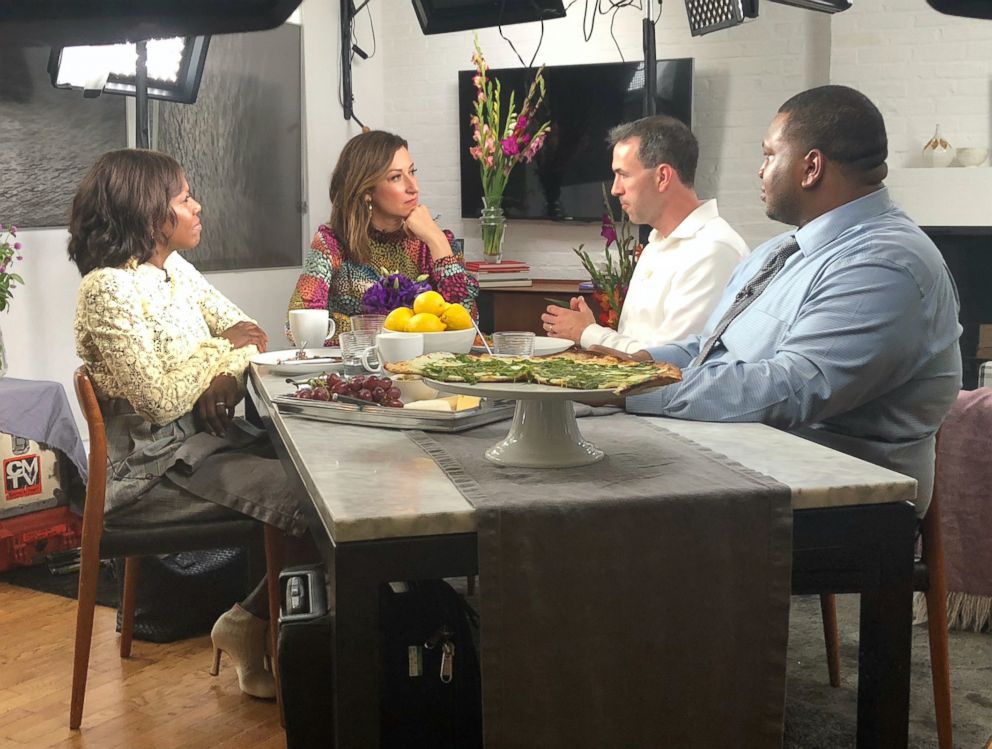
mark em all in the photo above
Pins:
pixel 564 182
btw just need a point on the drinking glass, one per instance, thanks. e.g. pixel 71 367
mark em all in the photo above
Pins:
pixel 513 343
pixel 353 344
pixel 367 322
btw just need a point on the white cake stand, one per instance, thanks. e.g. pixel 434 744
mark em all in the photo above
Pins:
pixel 544 433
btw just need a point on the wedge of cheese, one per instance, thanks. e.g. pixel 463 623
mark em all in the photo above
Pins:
pixel 435 404
pixel 448 403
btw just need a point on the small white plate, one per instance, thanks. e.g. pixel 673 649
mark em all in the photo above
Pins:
pixel 286 363
pixel 545 346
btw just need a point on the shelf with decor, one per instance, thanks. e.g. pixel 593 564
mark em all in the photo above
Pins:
pixel 943 197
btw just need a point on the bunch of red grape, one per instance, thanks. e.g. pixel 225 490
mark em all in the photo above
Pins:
pixel 378 390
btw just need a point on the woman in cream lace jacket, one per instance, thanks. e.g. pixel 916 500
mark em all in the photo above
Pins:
pixel 167 354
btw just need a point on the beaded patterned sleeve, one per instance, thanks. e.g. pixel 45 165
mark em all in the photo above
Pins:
pixel 333 283
pixel 154 339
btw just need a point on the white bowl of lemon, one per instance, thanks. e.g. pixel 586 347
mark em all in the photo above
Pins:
pixel 445 327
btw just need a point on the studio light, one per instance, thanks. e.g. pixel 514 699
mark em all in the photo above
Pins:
pixel 821 6
pixel 174 66
pixel 707 16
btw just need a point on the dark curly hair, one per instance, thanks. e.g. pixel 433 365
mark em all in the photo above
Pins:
pixel 121 207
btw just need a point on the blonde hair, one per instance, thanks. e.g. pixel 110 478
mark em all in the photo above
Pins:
pixel 364 161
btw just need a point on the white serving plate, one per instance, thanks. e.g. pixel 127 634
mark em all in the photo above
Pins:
pixel 285 362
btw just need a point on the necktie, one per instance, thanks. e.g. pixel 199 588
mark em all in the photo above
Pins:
pixel 751 291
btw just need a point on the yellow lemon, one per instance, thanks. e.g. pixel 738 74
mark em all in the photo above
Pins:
pixel 424 322
pixel 456 317
pixel 430 302
pixel 397 319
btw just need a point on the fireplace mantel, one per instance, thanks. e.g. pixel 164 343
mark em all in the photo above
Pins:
pixel 948 197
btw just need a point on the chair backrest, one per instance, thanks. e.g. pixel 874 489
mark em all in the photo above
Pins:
pixel 96 483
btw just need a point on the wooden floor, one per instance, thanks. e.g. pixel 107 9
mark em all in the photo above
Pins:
pixel 163 697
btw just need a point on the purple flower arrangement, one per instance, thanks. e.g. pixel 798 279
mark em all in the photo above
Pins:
pixel 391 291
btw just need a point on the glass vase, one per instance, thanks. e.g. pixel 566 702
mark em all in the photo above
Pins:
pixel 493 224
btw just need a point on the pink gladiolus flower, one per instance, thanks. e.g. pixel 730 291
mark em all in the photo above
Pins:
pixel 475 152
pixel 477 81
pixel 481 98
pixel 13 230
pixel 17 246
pixel 522 121
pixel 510 147
pixel 489 161
pixel 609 232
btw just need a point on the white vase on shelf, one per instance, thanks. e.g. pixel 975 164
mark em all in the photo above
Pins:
pixel 938 152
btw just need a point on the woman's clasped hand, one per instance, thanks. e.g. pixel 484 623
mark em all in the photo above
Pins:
pixel 246 332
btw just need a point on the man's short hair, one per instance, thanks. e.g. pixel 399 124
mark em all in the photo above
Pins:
pixel 664 140
pixel 839 121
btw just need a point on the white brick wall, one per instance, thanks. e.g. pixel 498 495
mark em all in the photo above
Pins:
pixel 742 76
pixel 921 68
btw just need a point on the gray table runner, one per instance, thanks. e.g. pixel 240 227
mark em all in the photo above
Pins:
pixel 640 602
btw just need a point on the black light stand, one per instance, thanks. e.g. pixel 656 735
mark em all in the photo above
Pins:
pixel 141 96
pixel 348 13
pixel 650 62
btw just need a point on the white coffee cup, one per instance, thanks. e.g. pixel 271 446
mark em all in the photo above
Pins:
pixel 392 347
pixel 310 327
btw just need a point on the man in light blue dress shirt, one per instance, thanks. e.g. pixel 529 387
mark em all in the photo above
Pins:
pixel 854 343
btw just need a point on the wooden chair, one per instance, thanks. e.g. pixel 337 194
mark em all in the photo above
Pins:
pixel 929 577
pixel 99 543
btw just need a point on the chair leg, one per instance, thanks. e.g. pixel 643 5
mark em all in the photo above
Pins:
pixel 936 597
pixel 828 612
pixel 274 556
pixel 132 565
pixel 940 662
pixel 89 568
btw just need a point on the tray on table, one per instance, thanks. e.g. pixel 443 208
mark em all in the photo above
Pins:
pixel 486 412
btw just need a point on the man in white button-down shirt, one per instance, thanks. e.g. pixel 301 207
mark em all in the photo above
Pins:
pixel 691 252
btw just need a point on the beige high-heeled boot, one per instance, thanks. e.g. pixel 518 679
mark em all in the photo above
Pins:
pixel 242 636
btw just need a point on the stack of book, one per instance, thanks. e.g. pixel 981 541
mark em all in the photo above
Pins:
pixel 504 273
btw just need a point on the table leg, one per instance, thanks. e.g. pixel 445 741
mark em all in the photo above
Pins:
pixel 884 654
pixel 356 653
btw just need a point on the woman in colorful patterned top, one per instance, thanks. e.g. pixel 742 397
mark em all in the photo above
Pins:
pixel 377 221
pixel 167 354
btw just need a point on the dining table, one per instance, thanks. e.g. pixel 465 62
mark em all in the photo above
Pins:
pixel 383 505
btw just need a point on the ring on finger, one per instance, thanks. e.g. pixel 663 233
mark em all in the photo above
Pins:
pixel 220 404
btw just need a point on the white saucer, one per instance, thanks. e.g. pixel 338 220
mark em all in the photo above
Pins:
pixel 286 363
pixel 545 345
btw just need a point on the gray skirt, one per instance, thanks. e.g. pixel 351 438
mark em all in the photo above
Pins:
pixel 176 473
